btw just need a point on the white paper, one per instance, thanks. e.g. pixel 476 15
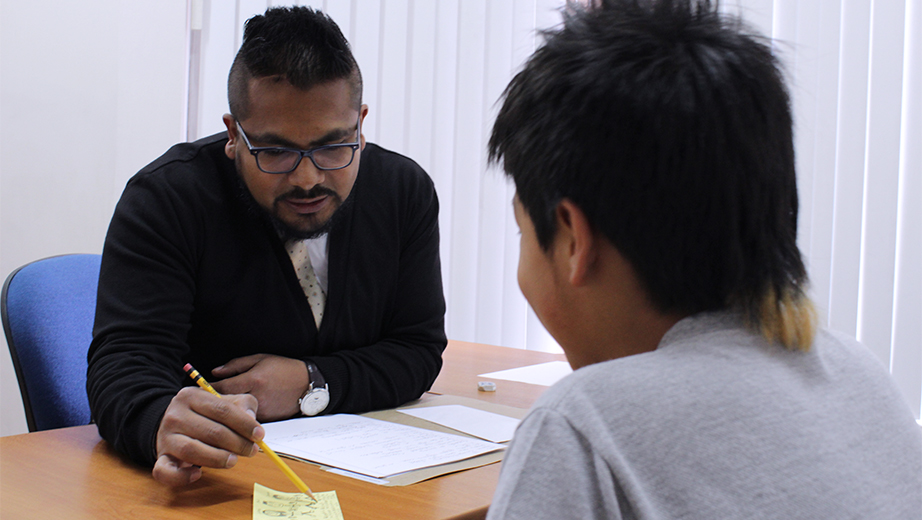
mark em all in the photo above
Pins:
pixel 358 476
pixel 370 446
pixel 545 374
pixel 479 423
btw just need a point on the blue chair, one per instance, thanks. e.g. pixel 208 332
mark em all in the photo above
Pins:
pixel 48 307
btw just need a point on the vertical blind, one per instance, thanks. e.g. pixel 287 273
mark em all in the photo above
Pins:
pixel 434 71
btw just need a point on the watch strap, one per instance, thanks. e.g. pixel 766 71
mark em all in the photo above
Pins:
pixel 316 378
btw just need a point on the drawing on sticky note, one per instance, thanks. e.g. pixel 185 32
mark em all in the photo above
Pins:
pixel 272 504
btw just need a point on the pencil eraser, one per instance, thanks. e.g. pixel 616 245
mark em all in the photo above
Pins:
pixel 187 368
pixel 486 386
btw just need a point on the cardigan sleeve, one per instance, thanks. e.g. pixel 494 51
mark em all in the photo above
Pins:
pixel 143 309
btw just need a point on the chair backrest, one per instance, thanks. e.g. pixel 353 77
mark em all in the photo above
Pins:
pixel 48 307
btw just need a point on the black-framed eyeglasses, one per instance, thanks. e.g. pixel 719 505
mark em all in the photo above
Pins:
pixel 274 159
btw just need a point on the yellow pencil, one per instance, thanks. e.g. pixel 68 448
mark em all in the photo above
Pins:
pixel 193 373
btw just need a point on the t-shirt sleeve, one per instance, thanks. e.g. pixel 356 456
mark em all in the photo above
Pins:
pixel 551 471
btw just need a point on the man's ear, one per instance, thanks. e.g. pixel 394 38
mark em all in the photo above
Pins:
pixel 364 113
pixel 230 149
pixel 580 242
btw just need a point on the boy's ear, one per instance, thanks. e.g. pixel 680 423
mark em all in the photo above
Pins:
pixel 578 241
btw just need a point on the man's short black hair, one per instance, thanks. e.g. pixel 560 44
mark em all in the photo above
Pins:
pixel 669 125
pixel 303 46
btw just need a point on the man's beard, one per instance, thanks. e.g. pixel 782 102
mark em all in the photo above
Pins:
pixel 286 231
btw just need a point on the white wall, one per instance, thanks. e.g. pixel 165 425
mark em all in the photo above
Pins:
pixel 89 93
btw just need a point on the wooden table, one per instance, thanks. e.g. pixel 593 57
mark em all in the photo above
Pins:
pixel 71 473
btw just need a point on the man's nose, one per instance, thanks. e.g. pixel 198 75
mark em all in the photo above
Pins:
pixel 306 175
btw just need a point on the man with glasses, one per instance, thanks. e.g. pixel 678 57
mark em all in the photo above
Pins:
pixel 289 261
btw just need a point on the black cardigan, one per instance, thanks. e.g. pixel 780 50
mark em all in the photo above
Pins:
pixel 192 274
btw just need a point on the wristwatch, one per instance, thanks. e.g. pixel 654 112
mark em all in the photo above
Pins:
pixel 317 397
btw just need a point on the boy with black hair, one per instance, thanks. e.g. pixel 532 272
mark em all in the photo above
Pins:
pixel 651 147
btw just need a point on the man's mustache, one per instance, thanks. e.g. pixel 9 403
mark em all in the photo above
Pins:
pixel 313 193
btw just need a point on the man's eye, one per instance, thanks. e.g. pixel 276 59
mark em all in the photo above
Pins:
pixel 274 153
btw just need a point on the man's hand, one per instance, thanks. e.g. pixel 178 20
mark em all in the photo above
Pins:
pixel 200 429
pixel 276 382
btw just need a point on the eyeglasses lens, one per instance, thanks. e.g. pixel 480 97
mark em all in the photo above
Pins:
pixel 281 161
pixel 333 157
pixel 277 160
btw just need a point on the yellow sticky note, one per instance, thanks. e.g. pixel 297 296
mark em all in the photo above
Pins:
pixel 272 504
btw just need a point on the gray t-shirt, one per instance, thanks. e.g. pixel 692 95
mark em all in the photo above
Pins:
pixel 717 423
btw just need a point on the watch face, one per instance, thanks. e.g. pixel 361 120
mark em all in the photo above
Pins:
pixel 315 402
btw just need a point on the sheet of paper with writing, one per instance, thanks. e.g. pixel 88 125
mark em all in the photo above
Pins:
pixel 272 504
pixel 370 446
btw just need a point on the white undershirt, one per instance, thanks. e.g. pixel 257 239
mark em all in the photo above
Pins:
pixel 317 249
